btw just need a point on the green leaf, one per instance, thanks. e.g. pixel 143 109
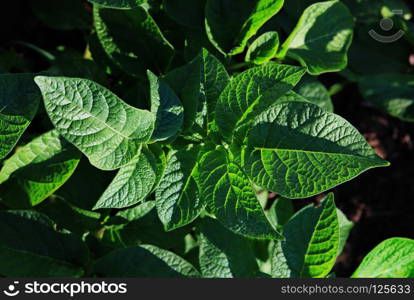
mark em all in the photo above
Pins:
pixel 143 261
pixel 230 196
pixel 29 241
pixel 312 239
pixel 345 227
pixel 186 82
pixel 106 129
pixel 214 80
pixel 124 4
pixel 298 150
pixel 19 100
pixel 279 265
pixel 132 39
pixel 230 24
pixel 264 48
pixel 36 170
pixel 167 108
pixel 321 38
pixel 315 92
pixel 391 92
pixel 177 196
pixel 393 258
pixel 251 92
pixel 224 254
pixel 135 181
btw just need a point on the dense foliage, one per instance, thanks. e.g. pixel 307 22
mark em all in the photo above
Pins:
pixel 177 140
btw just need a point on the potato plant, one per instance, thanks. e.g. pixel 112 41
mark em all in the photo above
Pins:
pixel 177 142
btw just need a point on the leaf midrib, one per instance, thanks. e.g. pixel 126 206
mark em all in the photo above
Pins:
pixel 385 163
pixel 94 117
pixel 312 41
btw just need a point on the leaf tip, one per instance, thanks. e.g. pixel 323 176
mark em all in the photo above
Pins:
pixel 40 80
pixel 380 162
pixel 204 51
pixel 97 206
pixel 150 74
pixel 386 163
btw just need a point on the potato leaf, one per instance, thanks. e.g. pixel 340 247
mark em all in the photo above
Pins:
pixel 298 150
pixel 315 92
pixel 132 39
pixel 230 196
pixel 214 80
pixel 186 83
pixel 321 38
pixel 19 100
pixel 393 258
pixel 264 48
pixel 167 108
pixel 135 181
pixel 36 170
pixel 312 239
pixel 230 24
pixel 345 227
pixel 250 93
pixel 177 196
pixel 106 129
